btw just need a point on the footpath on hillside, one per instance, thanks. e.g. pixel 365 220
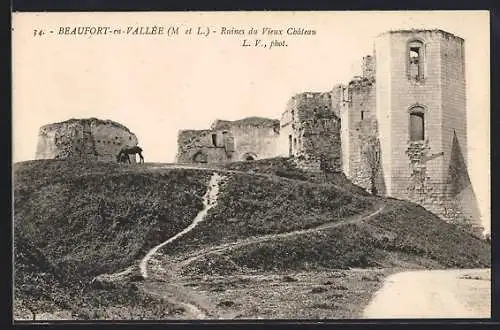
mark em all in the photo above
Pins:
pixel 196 311
pixel 193 256
pixel 196 306
pixel 450 293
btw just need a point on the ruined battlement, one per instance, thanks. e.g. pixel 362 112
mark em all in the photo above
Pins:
pixel 307 100
pixel 84 121
pixel 398 129
pixel 310 131
pixel 425 33
pixel 368 67
pixel 305 106
pixel 259 122
pixel 245 139
pixel 86 139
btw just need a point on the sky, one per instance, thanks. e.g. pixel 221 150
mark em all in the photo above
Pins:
pixel 157 85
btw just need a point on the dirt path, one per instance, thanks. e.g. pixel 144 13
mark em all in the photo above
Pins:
pixel 203 309
pixel 226 171
pixel 209 201
pixel 453 293
pixel 197 307
pixel 187 259
pixel 170 292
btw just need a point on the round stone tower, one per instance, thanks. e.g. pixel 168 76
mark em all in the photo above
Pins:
pixel 86 139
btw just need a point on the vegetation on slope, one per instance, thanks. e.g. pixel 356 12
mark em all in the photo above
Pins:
pixel 250 205
pixel 94 223
pixel 76 220
pixel 86 219
pixel 403 234
pixel 39 288
pixel 37 282
pixel 286 168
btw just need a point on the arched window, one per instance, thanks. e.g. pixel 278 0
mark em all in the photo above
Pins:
pixel 417 125
pixel 416 60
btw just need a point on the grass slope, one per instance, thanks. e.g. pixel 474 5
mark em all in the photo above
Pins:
pixel 403 235
pixel 101 221
pixel 76 220
pixel 80 220
pixel 250 205
pixel 40 288
pixel 286 168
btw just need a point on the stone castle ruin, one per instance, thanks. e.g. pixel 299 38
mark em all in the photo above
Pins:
pixel 246 139
pixel 398 130
pixel 87 139
pixel 310 132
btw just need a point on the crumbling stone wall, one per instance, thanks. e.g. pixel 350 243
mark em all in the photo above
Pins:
pixel 360 140
pixel 246 139
pixel 452 199
pixel 253 136
pixel 310 132
pixel 363 128
pixel 377 111
pixel 368 67
pixel 86 139
pixel 204 146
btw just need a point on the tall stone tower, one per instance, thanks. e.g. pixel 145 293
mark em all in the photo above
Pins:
pixel 422 121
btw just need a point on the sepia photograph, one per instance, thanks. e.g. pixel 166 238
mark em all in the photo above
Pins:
pixel 292 165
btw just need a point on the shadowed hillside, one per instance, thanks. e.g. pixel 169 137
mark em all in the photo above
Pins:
pixel 285 168
pixel 74 221
pixel 104 216
pixel 402 235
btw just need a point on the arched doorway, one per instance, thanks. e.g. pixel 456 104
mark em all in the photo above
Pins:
pixel 200 157
pixel 249 156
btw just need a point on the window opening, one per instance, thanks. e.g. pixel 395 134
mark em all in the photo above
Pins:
pixel 416 126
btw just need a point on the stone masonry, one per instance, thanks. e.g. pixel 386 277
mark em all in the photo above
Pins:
pixel 397 130
pixel 310 132
pixel 246 139
pixel 87 139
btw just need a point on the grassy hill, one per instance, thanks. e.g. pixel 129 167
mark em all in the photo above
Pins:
pixel 75 220
pixel 88 219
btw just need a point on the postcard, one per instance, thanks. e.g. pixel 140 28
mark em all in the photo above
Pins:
pixel 251 165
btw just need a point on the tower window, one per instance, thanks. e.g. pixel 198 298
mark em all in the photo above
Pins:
pixel 416 60
pixel 345 94
pixel 362 115
pixel 214 139
pixel 416 126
